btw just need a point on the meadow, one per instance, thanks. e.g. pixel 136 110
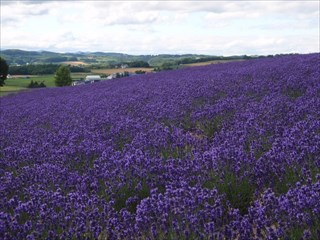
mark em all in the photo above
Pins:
pixel 224 151
pixel 16 84
pixel 20 83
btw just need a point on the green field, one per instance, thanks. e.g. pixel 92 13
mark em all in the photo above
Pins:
pixel 20 83
pixel 17 84
pixel 24 81
pixel 6 90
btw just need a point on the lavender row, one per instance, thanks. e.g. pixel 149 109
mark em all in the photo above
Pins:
pixel 228 151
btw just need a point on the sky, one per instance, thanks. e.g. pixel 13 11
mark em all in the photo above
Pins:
pixel 157 27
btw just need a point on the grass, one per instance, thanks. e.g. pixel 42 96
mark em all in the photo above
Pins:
pixel 24 81
pixel 6 90
pixel 19 83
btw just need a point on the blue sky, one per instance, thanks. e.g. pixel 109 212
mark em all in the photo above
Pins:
pixel 155 27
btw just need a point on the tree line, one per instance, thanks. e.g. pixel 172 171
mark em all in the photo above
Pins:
pixel 3 71
pixel 40 69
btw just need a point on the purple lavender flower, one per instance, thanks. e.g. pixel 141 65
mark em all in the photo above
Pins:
pixel 227 151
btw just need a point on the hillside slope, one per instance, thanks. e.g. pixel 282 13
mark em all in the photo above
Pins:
pixel 17 56
pixel 228 151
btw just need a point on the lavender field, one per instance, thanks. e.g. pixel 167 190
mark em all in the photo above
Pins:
pixel 227 151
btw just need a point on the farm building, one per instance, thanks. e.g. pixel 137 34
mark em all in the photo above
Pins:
pixel 92 77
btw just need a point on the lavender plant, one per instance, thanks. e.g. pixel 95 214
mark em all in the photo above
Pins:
pixel 228 151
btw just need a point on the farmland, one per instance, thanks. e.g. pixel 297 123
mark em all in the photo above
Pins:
pixel 20 83
pixel 209 62
pixel 74 63
pixel 6 90
pixel 40 66
pixel 120 70
pixel 223 151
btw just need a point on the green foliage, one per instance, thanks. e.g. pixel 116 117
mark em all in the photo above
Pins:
pixel 239 192
pixel 126 192
pixel 297 232
pixel 40 69
pixel 124 74
pixel 187 123
pixel 36 69
pixel 81 162
pixel 263 140
pixel 140 72
pixel 6 90
pixel 138 64
pixel 35 84
pixel 176 152
pixel 170 65
pixel 3 71
pixel 294 93
pixel 292 174
pixel 63 77
pixel 211 126
pixel 72 59
pixel 78 69
pixel 121 140
pixel 14 56
pixel 290 178
pixel 56 59
pixel 48 80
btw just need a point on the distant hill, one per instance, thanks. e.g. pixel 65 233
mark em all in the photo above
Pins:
pixel 21 57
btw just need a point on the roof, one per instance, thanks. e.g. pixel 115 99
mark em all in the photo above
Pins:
pixel 91 77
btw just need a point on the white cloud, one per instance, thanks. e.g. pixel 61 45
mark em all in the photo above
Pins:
pixel 121 13
pixel 212 27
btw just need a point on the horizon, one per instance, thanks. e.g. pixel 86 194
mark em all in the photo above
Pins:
pixel 219 28
pixel 157 54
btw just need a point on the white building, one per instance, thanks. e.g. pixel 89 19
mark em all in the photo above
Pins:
pixel 92 77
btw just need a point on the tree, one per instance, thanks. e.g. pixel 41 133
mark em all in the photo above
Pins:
pixel 140 72
pixel 63 77
pixel 3 71
pixel 35 84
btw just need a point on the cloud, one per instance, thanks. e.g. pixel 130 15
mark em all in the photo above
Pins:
pixel 209 27
pixel 120 13
pixel 141 12
pixel 30 2
pixel 8 20
pixel 254 10
pixel 126 19
pixel 127 42
pixel 14 13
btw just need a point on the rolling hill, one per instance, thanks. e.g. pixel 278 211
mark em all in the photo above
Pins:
pixel 21 57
